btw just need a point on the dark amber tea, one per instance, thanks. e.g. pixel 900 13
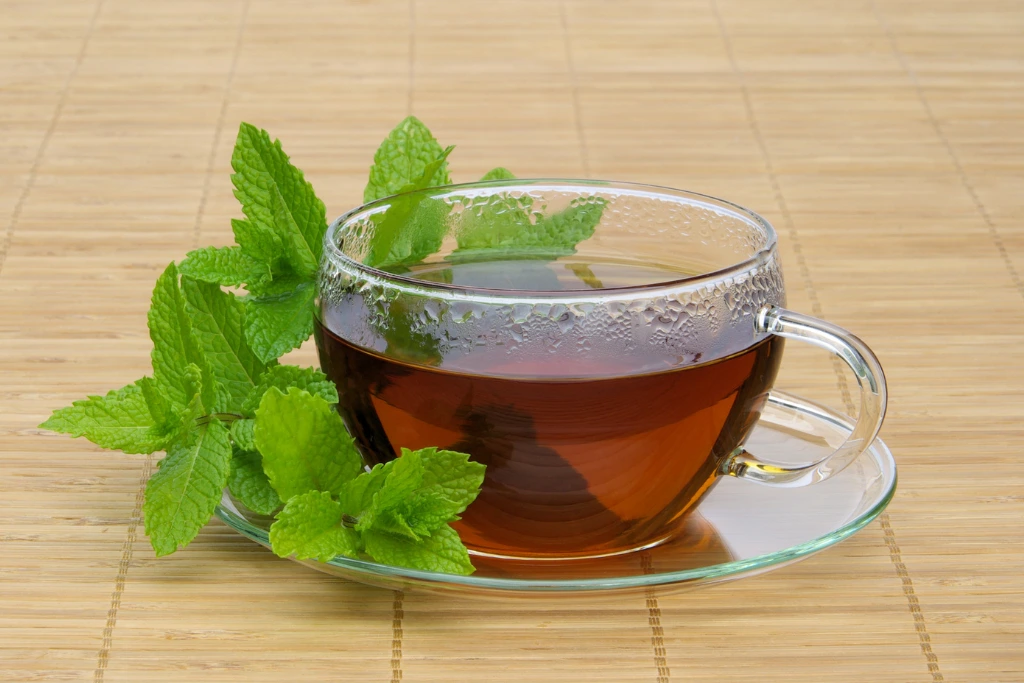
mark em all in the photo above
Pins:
pixel 583 455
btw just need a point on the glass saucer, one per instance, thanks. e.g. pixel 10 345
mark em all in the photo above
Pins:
pixel 740 529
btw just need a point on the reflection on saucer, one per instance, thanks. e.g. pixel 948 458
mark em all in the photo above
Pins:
pixel 696 543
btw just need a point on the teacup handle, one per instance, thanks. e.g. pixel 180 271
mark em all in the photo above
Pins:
pixel 865 366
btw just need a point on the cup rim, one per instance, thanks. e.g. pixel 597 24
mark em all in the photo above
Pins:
pixel 402 282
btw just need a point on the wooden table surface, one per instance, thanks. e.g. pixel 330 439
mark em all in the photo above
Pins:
pixel 885 139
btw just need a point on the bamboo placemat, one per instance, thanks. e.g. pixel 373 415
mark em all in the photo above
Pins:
pixel 884 138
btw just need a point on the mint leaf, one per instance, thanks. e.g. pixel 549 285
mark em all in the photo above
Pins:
pixel 442 551
pixel 505 226
pixel 218 319
pixel 423 491
pixel 498 220
pixel 357 495
pixel 403 478
pixel 403 158
pixel 275 197
pixel 259 243
pixel 499 173
pixel 249 484
pixel 421 236
pixel 193 381
pixel 400 217
pixel 120 420
pixel 310 526
pixel 299 251
pixel 285 376
pixel 166 420
pixel 304 444
pixel 175 346
pixel 229 266
pixel 565 229
pixel 242 433
pixel 182 494
pixel 277 323
pixel 451 476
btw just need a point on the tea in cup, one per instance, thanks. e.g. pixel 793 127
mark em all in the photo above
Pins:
pixel 603 348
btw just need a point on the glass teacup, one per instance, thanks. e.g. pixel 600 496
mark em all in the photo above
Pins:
pixel 604 348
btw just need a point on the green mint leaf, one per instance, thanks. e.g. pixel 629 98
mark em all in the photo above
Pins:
pixel 276 198
pixel 248 483
pixel 506 226
pixel 120 420
pixel 499 173
pixel 400 219
pixel 277 323
pixel 228 266
pixel 423 491
pixel 450 476
pixel 304 444
pixel 193 381
pixel 421 236
pixel 393 522
pixel 310 526
pixel 243 433
pixel 442 551
pixel 405 477
pixel 567 228
pixel 285 376
pixel 166 420
pixel 403 158
pixel 175 346
pixel 357 499
pixel 182 494
pixel 299 253
pixel 218 319
pixel 494 221
pixel 357 495
pixel 385 512
pixel 259 243
pixel 430 177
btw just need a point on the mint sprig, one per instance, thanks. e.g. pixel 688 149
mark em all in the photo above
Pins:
pixel 230 416
pixel 334 507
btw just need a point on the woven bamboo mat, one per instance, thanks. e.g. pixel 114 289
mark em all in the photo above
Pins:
pixel 884 138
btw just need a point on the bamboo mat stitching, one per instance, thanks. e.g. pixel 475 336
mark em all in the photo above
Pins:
pixel 122 573
pixel 211 160
pixel 398 613
pixel 953 157
pixel 47 136
pixel 915 605
pixel 575 90
pixel 654 620
pixel 128 548
pixel 920 626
